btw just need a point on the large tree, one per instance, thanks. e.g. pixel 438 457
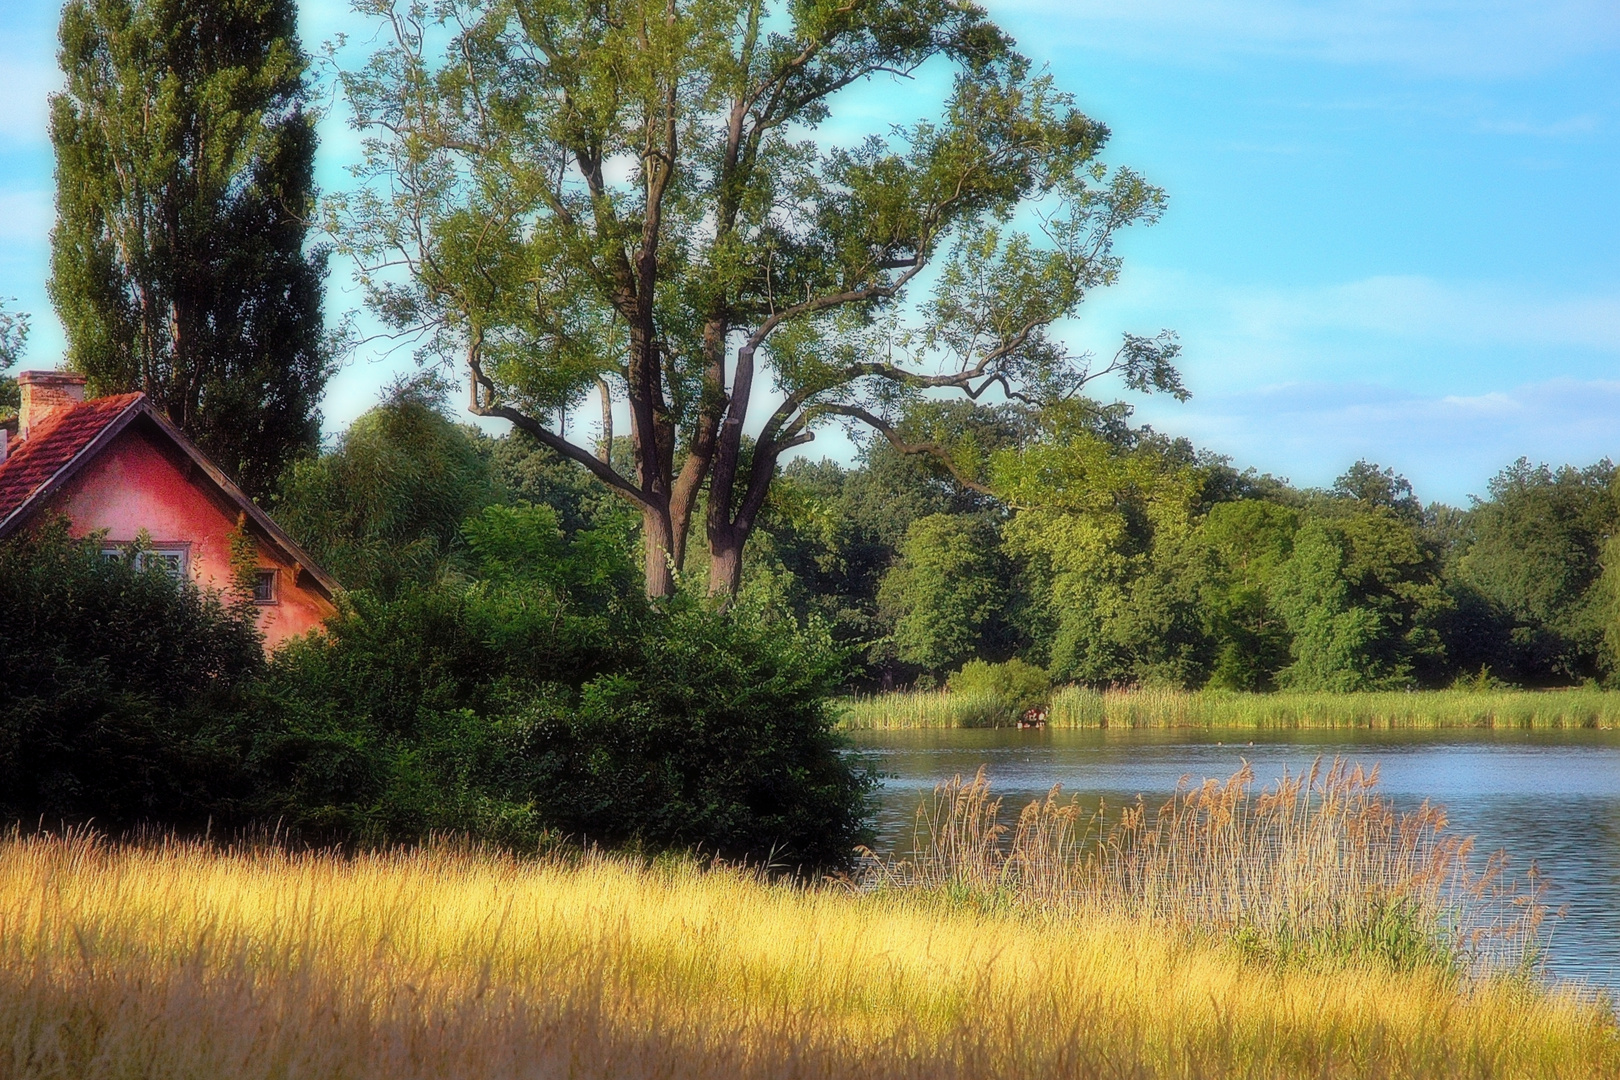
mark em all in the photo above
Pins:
pixel 184 193
pixel 630 197
pixel 1536 558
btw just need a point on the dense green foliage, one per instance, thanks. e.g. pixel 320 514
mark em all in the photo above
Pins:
pixel 739 251
pixel 497 669
pixel 532 695
pixel 1536 554
pixel 119 687
pixel 383 509
pixel 184 192
pixel 1112 556
pixel 513 713
pixel 946 591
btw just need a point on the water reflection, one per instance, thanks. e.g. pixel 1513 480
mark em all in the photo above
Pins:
pixel 1548 796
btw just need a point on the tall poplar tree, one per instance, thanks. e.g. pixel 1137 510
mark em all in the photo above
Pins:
pixel 184 194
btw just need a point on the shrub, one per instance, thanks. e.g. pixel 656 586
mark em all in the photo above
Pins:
pixel 121 687
pixel 548 698
pixel 1009 689
pixel 551 698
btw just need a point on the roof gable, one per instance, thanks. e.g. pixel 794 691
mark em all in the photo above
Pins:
pixel 51 456
pixel 40 463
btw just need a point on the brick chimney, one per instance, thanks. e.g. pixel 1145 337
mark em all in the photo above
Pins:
pixel 44 395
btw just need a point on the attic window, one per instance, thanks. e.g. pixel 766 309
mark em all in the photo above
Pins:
pixel 264 587
pixel 174 558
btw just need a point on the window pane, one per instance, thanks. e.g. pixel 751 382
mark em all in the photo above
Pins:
pixel 171 560
pixel 264 587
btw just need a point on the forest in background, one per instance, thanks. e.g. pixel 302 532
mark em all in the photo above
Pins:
pixel 1103 553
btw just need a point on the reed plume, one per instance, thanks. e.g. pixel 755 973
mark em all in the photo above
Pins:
pixel 1315 865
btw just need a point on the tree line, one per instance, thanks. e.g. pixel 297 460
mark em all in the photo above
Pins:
pixel 1116 557
pixel 1102 553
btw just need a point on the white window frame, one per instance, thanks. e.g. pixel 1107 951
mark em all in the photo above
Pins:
pixel 175 553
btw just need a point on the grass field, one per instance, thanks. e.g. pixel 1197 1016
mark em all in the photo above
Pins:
pixel 181 961
pixel 1073 707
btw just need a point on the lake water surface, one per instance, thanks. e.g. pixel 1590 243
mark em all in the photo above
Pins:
pixel 1548 796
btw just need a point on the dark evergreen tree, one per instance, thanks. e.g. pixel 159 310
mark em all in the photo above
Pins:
pixel 184 194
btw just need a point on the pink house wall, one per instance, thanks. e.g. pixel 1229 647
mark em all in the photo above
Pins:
pixel 140 483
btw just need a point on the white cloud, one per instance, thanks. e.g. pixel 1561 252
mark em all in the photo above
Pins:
pixel 1449 445
pixel 1468 37
pixel 1423 309
pixel 1568 127
pixel 1447 381
pixel 1409 330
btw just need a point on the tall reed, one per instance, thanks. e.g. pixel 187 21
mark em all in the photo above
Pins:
pixel 1076 707
pixel 1315 866
pixel 940 708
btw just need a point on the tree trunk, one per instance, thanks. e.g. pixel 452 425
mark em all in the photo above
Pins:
pixel 604 448
pixel 659 547
pixel 725 560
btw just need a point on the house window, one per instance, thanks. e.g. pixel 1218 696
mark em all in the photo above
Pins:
pixel 264 587
pixel 174 558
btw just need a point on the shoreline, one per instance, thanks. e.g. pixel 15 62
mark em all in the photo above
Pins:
pixel 1074 707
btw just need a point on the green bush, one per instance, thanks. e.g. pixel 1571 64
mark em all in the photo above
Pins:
pixel 549 698
pixel 1008 689
pixel 121 689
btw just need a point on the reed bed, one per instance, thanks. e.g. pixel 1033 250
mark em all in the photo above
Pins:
pixel 181 961
pixel 923 709
pixel 1074 707
pixel 1318 867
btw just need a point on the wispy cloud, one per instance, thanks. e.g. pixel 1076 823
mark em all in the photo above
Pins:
pixel 1467 37
pixel 1568 127
pixel 1445 380
pixel 1448 444
pixel 1423 309
pixel 1409 330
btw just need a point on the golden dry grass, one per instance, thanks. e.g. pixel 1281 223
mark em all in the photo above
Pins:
pixel 179 961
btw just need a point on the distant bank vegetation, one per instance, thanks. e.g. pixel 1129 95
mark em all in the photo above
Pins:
pixel 1077 707
pixel 1113 556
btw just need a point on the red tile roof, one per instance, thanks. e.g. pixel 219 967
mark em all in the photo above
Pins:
pixel 32 462
pixel 38 464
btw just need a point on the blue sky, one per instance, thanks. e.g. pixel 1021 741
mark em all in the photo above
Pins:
pixel 1393 226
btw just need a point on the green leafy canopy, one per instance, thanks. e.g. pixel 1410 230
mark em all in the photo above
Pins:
pixel 634 199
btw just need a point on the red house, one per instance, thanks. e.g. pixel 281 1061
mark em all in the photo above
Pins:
pixel 117 466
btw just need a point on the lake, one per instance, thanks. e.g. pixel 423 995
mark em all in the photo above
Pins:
pixel 1550 796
